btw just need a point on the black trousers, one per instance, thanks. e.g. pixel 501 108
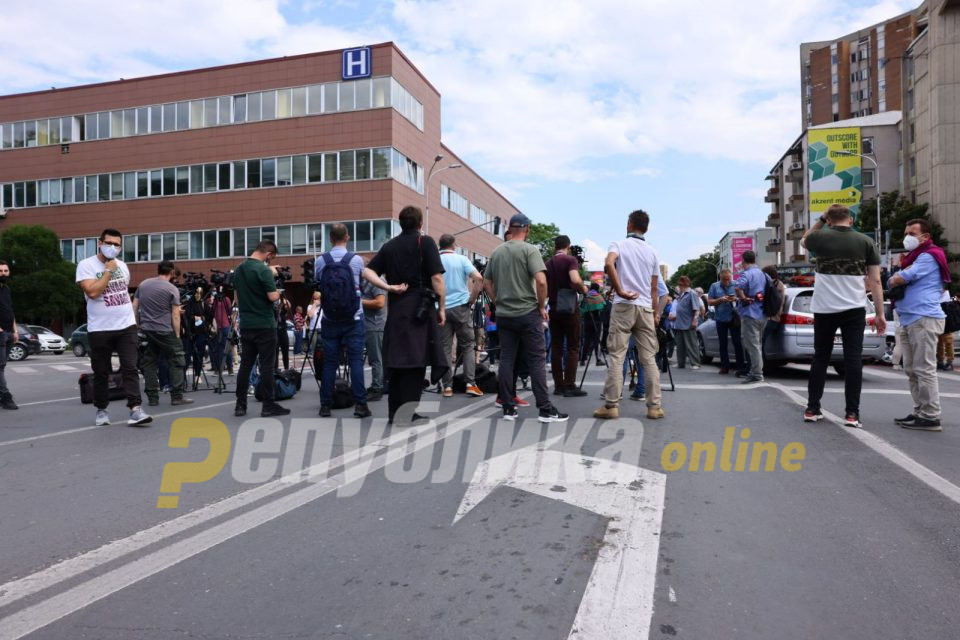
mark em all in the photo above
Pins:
pixel 283 341
pixel 851 324
pixel 406 385
pixel 257 344
pixel 528 331
pixel 102 346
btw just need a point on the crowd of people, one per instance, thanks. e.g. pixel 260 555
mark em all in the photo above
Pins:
pixel 419 311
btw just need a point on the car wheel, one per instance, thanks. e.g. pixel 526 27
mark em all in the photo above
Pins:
pixel 79 350
pixel 704 358
pixel 840 369
pixel 17 353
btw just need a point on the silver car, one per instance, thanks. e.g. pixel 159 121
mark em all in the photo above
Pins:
pixel 794 342
pixel 49 341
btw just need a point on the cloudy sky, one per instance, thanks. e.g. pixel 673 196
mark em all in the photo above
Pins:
pixel 579 112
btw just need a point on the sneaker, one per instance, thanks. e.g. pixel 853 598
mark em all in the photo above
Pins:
pixel 510 413
pixel 270 409
pixel 361 411
pixel 606 413
pixel 695 367
pixel 655 413
pixel 908 419
pixel 448 392
pixel 638 398
pixel 852 420
pixel 240 409
pixel 812 416
pixel 138 417
pixel 922 424
pixel 751 379
pixel 177 402
pixel 574 392
pixel 520 402
pixel 103 418
pixel 152 402
pixel 948 367
pixel 550 414
pixel 374 395
pixel 474 390
pixel 324 411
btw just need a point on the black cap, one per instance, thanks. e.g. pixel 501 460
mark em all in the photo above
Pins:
pixel 519 220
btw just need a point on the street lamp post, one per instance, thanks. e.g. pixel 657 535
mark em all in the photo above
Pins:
pixel 434 171
pixel 876 168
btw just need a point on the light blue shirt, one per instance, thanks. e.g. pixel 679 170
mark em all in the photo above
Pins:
pixel 751 282
pixel 456 275
pixel 686 306
pixel 924 290
pixel 722 312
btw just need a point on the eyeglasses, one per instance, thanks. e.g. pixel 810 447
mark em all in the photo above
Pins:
pixel 112 244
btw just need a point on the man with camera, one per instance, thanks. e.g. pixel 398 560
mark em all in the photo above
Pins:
pixel 338 274
pixel 111 326
pixel 563 284
pixel 255 286
pixel 157 307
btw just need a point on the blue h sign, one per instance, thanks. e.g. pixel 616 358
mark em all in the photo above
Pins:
pixel 356 63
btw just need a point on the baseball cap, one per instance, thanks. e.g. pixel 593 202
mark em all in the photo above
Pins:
pixel 519 220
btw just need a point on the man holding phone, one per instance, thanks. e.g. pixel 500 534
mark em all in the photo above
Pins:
pixel 721 297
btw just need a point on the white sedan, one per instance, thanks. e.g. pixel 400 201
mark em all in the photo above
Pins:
pixel 50 342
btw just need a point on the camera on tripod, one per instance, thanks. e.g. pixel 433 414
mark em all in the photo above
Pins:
pixel 192 280
pixel 577 252
pixel 283 275
pixel 309 274
pixel 221 278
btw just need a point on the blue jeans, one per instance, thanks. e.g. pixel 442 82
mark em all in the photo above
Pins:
pixel 352 336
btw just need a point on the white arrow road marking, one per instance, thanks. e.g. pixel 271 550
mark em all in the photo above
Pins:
pixel 618 600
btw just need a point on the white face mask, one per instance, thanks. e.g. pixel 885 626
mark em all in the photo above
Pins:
pixel 911 242
pixel 109 251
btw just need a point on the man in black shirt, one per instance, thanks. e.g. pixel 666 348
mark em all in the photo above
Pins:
pixel 8 334
pixel 411 340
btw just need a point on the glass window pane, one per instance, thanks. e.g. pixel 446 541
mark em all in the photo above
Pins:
pixel 169 181
pixel 19 194
pixel 315 99
pixel 103 125
pixel 253 174
pixel 183 180
pixel 196 245
pixel 183 116
pixel 130 184
pixel 268 109
pixel 346 96
pixel 66 191
pixel 8 196
pixel 223 176
pixel 283 240
pixel 269 172
pixel 330 167
pixel 143 184
pixel 156 247
pixel 224 115
pixel 209 244
pixel 362 241
pixel 330 100
pixel 362 169
pixel 196 178
pixel 79 190
pixel 283 103
pixel 239 174
pixel 239 242
pixel 156 182
pixel 362 88
pixel 268 233
pixel 55 131
pixel 299 169
pixel 210 110
pixel 55 191
pixel 315 173
pixel 156 118
pixel 129 122
pixel 19 129
pixel 170 117
pixel 7 136
pixel 381 92
pixel 143 247
pixel 253 108
pixel 43 192
pixel 116 186
pixel 169 246
pixel 240 108
pixel 43 133
pixel 69 129
pixel 91 189
pixel 315 238
pixel 90 247
pixel 209 177
pixel 346 165
pixel 183 246
pixel 284 171
pixel 381 162
pixel 143 120
pixel 31 133
pixel 103 186
pixel 299 244
pixel 253 239
pixel 116 124
pixel 225 249
pixel 196 114
pixel 299 102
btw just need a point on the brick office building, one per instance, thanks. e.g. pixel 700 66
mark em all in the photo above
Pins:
pixel 198 166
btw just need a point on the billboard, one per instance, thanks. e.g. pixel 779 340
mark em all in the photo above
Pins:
pixel 834 177
pixel 737 247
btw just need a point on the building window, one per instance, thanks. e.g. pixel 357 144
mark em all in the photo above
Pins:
pixel 868 178
pixel 913 166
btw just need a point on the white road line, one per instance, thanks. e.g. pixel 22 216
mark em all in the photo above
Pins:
pixel 64 367
pixel 30 404
pixel 52 609
pixel 888 451
pixel 23 369
pixel 77 565
pixel 672 595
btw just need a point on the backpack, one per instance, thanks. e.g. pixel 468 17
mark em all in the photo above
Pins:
pixel 772 299
pixel 339 295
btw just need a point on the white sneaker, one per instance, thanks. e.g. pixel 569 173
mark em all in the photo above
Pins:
pixel 139 417
pixel 695 367
pixel 103 418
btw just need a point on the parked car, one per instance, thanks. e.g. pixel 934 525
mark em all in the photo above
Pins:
pixel 795 342
pixel 79 341
pixel 290 333
pixel 29 344
pixel 49 341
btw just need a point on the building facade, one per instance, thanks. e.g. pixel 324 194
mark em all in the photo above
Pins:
pixel 734 243
pixel 199 166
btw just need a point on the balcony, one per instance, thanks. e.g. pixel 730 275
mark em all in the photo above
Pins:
pixel 796 232
pixel 773 220
pixel 796 196
pixel 798 257
pixel 773 195
pixel 773 244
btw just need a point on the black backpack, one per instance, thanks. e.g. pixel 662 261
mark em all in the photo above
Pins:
pixel 772 299
pixel 339 295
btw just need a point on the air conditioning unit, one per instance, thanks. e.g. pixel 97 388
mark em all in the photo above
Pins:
pixel 798 226
pixel 796 166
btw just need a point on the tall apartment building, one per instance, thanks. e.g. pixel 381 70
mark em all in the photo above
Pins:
pixel 199 166
pixel 857 74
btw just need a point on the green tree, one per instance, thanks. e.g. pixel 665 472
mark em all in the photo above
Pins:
pixel 542 235
pixel 702 270
pixel 895 212
pixel 42 282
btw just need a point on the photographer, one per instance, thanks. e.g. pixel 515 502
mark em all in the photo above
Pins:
pixel 222 307
pixel 256 290
pixel 199 319
pixel 157 307
pixel 563 285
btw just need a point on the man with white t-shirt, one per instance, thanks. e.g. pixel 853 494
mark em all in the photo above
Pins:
pixel 634 271
pixel 111 326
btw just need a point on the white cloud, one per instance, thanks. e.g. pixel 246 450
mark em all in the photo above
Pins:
pixel 594 254
pixel 648 172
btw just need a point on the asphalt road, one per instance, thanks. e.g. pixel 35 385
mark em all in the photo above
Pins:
pixel 861 542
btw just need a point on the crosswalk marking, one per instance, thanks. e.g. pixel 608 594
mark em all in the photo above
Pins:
pixel 64 367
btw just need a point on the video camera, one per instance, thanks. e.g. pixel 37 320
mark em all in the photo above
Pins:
pixel 192 280
pixel 309 273
pixel 283 275
pixel 577 252
pixel 221 278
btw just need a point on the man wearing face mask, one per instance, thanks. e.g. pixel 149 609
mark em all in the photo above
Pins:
pixel 924 271
pixel 111 326
pixel 8 334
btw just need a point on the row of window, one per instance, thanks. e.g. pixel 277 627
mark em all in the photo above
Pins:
pixel 295 239
pixel 463 207
pixel 335 166
pixel 316 99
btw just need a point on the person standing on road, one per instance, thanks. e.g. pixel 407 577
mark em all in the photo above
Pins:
pixel 563 285
pixel 515 280
pixel 111 326
pixel 374 301
pixel 255 287
pixel 925 273
pixel 8 334
pixel 411 337
pixel 773 326
pixel 847 266
pixel 749 289
pixel 684 318
pixel 298 324
pixel 945 346
pixel 634 271
pixel 222 308
pixel 721 297
pixel 462 282
pixel 157 308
